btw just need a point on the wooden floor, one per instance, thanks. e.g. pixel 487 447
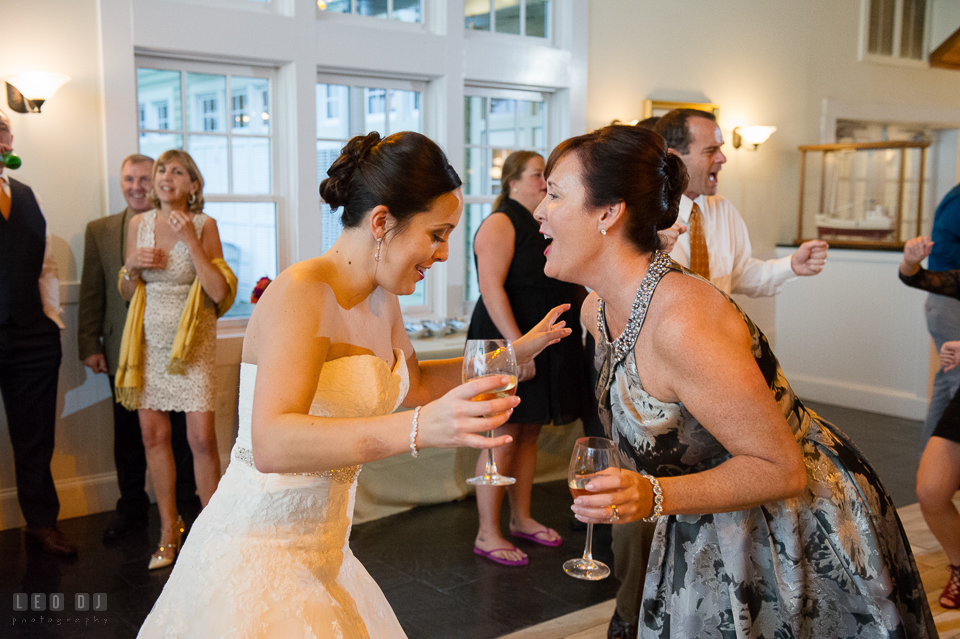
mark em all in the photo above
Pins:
pixel 591 623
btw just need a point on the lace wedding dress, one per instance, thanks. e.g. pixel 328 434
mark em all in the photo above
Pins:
pixel 269 555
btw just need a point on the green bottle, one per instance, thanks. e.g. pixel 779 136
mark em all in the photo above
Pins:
pixel 10 160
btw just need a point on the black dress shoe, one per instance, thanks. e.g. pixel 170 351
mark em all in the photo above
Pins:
pixel 621 629
pixel 51 540
pixel 123 526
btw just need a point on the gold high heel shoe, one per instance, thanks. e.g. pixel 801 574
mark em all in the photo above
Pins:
pixel 167 552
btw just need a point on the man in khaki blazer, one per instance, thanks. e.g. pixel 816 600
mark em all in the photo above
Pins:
pixel 101 317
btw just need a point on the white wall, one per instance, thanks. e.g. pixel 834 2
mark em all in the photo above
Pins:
pixel 62 153
pixel 73 151
pixel 787 64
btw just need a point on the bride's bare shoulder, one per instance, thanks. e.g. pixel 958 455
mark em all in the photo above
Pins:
pixel 297 305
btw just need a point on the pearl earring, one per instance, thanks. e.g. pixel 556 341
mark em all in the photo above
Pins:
pixel 603 231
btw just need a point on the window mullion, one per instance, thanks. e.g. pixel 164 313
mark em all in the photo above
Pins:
pixel 228 129
pixel 389 9
pixel 897 27
pixel 184 126
pixel 387 120
pixel 493 18
pixel 523 18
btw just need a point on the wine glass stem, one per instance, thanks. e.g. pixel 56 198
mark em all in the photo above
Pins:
pixel 588 548
pixel 491 464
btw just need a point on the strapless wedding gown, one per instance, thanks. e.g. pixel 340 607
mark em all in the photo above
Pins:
pixel 269 556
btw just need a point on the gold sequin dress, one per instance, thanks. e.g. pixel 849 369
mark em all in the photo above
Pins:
pixel 269 556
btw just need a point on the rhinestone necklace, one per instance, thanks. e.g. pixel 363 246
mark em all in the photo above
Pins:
pixel 659 265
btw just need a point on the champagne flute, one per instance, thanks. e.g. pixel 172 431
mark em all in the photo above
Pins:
pixel 590 456
pixel 483 358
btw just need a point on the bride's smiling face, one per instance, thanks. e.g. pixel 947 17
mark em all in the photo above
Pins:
pixel 407 254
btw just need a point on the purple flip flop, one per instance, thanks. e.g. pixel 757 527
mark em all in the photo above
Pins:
pixel 506 562
pixel 537 539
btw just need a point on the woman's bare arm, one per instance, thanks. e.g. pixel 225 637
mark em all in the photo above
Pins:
pixel 292 345
pixel 494 248
pixel 700 354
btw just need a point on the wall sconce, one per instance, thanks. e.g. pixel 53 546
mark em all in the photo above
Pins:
pixel 28 90
pixel 752 135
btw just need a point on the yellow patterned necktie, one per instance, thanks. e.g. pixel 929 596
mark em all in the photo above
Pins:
pixel 699 256
pixel 4 201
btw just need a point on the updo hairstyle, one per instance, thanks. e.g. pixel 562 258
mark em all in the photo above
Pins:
pixel 513 168
pixel 405 172
pixel 629 164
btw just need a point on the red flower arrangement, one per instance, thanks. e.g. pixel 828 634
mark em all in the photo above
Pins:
pixel 259 289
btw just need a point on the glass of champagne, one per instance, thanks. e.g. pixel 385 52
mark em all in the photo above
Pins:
pixel 483 358
pixel 590 456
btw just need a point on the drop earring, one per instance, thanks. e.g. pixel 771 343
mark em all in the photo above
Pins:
pixel 376 256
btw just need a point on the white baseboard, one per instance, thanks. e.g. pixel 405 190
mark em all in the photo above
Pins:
pixel 874 399
pixel 78 496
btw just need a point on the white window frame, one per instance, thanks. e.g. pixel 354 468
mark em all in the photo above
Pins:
pixel 894 59
pixel 436 280
pixel 530 95
pixel 548 38
pixel 226 325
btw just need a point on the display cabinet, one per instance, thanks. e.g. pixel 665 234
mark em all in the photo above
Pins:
pixel 862 195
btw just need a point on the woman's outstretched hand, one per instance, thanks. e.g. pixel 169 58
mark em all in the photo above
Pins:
pixel 457 420
pixel 625 489
pixel 548 331
pixel 914 252
pixel 950 355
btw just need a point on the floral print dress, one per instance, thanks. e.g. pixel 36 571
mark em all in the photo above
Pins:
pixel 833 562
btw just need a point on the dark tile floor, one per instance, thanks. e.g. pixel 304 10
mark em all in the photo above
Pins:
pixel 422 559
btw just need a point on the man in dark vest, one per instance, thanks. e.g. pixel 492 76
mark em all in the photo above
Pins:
pixel 100 319
pixel 30 353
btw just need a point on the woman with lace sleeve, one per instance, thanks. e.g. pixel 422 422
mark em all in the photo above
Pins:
pixel 938 477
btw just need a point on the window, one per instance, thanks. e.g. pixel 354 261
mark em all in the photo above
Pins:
pixel 209 106
pixel 400 10
pixel 894 29
pixel 235 159
pixel 240 118
pixel 163 122
pixel 496 123
pixel 517 17
pixel 347 107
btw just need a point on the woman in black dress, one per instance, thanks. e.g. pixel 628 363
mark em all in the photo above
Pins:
pixel 938 477
pixel 514 294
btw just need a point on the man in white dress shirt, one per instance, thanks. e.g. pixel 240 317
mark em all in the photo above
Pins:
pixel 695 137
pixel 717 247
pixel 30 352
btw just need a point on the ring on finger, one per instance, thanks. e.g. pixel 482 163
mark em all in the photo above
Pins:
pixel 614 514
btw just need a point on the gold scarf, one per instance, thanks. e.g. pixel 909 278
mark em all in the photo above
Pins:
pixel 129 379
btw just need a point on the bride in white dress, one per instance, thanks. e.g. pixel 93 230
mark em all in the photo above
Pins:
pixel 325 363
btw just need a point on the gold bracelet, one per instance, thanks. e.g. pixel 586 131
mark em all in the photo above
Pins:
pixel 657 510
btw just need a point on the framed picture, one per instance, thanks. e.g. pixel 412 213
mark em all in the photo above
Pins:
pixel 658 108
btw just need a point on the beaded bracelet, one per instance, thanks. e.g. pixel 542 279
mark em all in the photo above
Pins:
pixel 657 511
pixel 413 431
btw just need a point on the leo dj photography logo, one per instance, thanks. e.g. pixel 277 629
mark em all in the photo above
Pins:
pixel 31 607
